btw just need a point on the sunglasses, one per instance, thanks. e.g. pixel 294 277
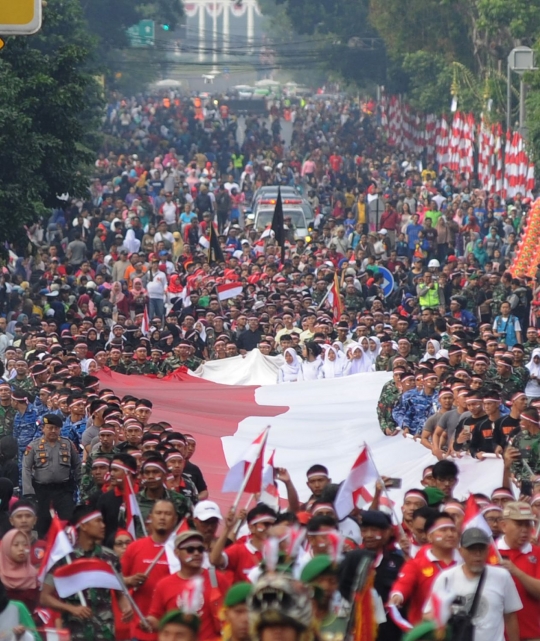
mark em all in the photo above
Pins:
pixel 192 549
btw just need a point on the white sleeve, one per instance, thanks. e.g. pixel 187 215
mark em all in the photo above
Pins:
pixel 517 326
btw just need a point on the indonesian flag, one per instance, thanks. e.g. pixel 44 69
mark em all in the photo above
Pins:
pixel 131 505
pixel 474 518
pixel 269 494
pixel 84 574
pixel 254 458
pixel 58 546
pixel 362 473
pixel 334 300
pixel 52 634
pixel 398 619
pixel 145 325
pixel 441 607
pixel 229 290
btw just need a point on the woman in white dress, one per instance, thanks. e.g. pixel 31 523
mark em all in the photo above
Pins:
pixel 532 389
pixel 358 361
pixel 334 363
pixel 291 370
pixel 312 363
pixel 374 350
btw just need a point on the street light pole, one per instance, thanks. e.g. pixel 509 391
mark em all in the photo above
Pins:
pixel 508 94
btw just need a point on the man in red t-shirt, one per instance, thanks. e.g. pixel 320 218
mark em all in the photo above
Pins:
pixel 241 557
pixel 138 558
pixel 414 582
pixel 522 560
pixel 179 591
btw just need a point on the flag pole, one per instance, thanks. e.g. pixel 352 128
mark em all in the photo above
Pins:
pixel 128 595
pixel 143 525
pixel 325 296
pixel 385 491
pixel 240 523
pixel 250 470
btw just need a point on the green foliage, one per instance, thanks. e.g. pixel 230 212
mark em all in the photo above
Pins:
pixel 50 109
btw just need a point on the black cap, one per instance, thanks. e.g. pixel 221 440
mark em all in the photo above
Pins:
pixel 52 419
pixel 375 518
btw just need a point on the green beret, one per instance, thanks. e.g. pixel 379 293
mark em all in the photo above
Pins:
pixel 425 630
pixel 320 564
pixel 238 594
pixel 191 621
pixel 435 496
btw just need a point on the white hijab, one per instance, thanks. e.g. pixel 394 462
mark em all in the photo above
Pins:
pixel 374 353
pixel 333 369
pixel 533 368
pixel 292 370
pixel 427 355
pixel 357 365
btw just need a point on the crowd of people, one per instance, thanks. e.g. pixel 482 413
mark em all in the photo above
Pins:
pixel 127 280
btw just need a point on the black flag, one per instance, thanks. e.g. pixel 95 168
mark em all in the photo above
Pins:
pixel 215 247
pixel 278 224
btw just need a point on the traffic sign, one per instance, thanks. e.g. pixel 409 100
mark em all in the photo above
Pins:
pixel 388 281
pixel 142 34
pixel 20 17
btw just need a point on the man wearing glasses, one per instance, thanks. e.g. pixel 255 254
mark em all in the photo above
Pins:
pixel 181 591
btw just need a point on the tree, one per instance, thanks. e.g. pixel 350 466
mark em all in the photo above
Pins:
pixel 50 110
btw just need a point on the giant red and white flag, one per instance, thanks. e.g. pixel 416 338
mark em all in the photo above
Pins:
pixel 363 472
pixel 253 458
pixel 313 422
pixel 57 547
pixel 229 290
pixel 131 505
pixel 84 574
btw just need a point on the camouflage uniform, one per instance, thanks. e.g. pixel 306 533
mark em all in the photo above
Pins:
pixel 382 363
pixel 446 341
pixel 182 503
pixel 100 627
pixel 25 430
pixel 354 303
pixel 414 409
pixel 7 415
pixel 470 293
pixel 387 400
pixel 87 481
pixel 523 375
pixel 173 362
pixel 142 368
pixel 528 348
pixel 188 489
pixel 529 446
pixel 412 338
pixel 508 386
pixel 498 296
pixel 120 367
pixel 25 384
pixel 73 430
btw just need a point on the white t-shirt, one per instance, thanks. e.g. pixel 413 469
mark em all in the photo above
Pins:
pixel 499 596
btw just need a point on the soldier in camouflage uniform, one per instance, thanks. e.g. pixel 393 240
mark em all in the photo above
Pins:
pixel 141 365
pixel 390 395
pixel 382 362
pixel 353 301
pixel 100 625
pixel 7 411
pixel 524 459
pixel 531 343
pixel 506 380
pixel 25 422
pixel 402 331
pixel 498 293
pixel 22 381
pixel 181 358
pixel 416 407
pixel 104 449
pixel 114 362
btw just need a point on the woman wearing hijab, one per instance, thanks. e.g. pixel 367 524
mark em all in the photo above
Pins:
pixel 374 349
pixel 312 363
pixel 139 297
pixel 131 242
pixel 433 347
pixel 334 363
pixel 358 361
pixel 532 389
pixel 480 253
pixel 6 492
pixel 291 370
pixel 17 573
pixel 119 300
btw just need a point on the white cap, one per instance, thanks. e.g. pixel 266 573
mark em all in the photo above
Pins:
pixel 205 510
pixel 383 232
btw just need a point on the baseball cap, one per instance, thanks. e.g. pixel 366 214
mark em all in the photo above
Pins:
pixel 518 511
pixel 474 536
pixel 187 536
pixel 205 510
